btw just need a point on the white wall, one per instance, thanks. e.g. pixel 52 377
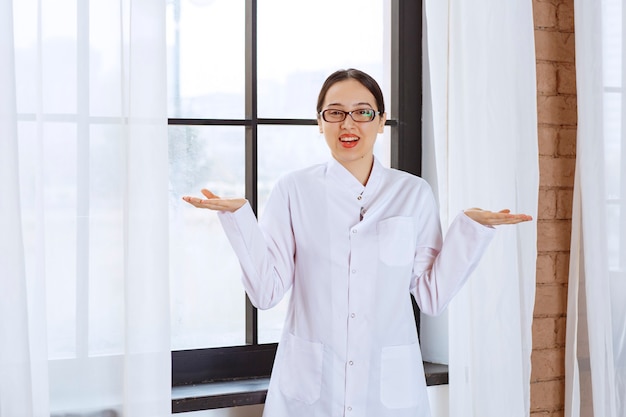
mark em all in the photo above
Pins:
pixel 438 396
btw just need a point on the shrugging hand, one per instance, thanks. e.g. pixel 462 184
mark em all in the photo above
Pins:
pixel 213 202
pixel 491 218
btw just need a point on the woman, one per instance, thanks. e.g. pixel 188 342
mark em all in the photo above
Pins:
pixel 351 239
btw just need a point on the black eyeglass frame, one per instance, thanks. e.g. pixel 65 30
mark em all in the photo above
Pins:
pixel 348 113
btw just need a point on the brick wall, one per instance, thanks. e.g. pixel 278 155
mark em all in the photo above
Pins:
pixel 556 104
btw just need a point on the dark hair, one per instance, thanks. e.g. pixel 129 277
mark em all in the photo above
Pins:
pixel 355 74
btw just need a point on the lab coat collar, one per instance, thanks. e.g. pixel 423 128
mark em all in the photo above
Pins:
pixel 349 181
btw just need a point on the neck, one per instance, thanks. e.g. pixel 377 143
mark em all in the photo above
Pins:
pixel 361 169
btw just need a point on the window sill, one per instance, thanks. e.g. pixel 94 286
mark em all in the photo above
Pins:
pixel 237 393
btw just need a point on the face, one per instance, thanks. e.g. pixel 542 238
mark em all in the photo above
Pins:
pixel 351 143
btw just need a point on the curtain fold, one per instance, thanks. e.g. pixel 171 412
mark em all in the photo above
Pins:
pixel 84 320
pixel 15 384
pixel 481 101
pixel 595 363
pixel 147 223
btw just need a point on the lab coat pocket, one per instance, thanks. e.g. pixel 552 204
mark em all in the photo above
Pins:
pixel 396 242
pixel 301 369
pixel 401 383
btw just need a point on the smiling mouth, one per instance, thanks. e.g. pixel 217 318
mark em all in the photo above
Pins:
pixel 348 139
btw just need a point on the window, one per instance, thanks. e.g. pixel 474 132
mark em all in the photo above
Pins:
pixel 244 77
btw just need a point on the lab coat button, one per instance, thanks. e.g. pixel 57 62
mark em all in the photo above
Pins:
pixel 350 363
pixel 349 408
pixel 354 230
pixel 354 271
pixel 353 315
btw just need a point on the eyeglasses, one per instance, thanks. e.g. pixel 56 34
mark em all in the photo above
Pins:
pixel 359 115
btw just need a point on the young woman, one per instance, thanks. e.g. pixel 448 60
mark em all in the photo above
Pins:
pixel 351 239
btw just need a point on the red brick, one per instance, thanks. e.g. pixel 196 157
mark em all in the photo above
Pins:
pixel 566 142
pixel 548 140
pixel 557 110
pixel 554 46
pixel 547 395
pixel 547 204
pixel 566 78
pixel 562 267
pixel 560 327
pixel 546 78
pixel 545 333
pixel 553 236
pixel 545 15
pixel 557 120
pixel 548 364
pixel 550 300
pixel 547 413
pixel 565 16
pixel 564 204
pixel 556 172
pixel 546 268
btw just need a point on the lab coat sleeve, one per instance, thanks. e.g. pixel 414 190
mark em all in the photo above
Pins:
pixel 439 273
pixel 265 252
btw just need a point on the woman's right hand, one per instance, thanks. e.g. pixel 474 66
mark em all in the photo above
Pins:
pixel 213 202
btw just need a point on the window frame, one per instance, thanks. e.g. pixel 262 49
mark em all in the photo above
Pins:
pixel 254 360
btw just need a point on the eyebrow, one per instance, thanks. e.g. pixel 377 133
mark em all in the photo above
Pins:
pixel 362 103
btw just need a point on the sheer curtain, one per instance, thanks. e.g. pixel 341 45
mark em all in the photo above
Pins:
pixel 84 316
pixel 480 99
pixel 596 316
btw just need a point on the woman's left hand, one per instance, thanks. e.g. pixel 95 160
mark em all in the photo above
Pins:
pixel 492 218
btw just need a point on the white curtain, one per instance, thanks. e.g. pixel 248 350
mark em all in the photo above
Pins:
pixel 480 111
pixel 84 316
pixel 596 316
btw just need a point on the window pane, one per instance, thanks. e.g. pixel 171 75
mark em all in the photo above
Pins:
pixel 612 43
pixel 54 86
pixel 284 149
pixel 310 43
pixel 207 297
pixel 106 57
pixel 58 54
pixel 206 52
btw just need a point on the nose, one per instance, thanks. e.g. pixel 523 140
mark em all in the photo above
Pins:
pixel 347 122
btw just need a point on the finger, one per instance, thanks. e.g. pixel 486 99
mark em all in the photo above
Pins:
pixel 495 218
pixel 208 194
pixel 521 216
pixel 512 219
pixel 194 201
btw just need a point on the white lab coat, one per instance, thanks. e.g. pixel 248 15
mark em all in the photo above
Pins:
pixel 349 345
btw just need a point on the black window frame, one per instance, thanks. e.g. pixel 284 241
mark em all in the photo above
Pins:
pixel 254 360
